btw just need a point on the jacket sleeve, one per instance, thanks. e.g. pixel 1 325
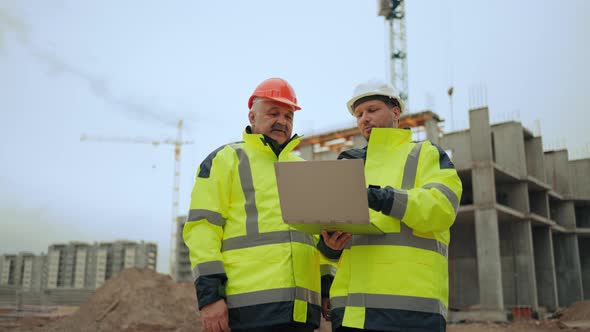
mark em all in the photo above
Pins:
pixel 326 251
pixel 431 205
pixel 328 265
pixel 203 231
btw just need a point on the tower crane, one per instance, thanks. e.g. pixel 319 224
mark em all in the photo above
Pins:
pixel 178 143
pixel 394 12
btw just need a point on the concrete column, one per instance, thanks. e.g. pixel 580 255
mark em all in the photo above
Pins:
pixel 431 127
pixel 509 147
pixel 488 260
pixel 557 171
pixel 486 217
pixel 463 276
pixel 535 162
pixel 579 170
pixel 481 135
pixel 306 152
pixel 518 267
pixel 545 268
pixel 584 244
pixel 564 213
pixel 568 269
pixel 358 142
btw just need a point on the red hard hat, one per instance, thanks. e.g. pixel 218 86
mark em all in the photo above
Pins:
pixel 275 89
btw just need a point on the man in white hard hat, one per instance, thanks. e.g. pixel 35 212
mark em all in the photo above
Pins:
pixel 397 281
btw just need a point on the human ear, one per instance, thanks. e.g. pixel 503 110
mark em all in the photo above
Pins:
pixel 396 112
pixel 251 117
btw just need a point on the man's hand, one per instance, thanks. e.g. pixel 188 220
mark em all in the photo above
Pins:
pixel 214 317
pixel 326 309
pixel 337 240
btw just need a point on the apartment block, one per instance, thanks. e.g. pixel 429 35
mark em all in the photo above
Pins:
pixel 75 265
pixel 7 269
pixel 67 265
pixel 24 270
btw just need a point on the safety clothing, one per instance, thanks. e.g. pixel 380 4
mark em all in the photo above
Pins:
pixel 398 281
pixel 328 268
pixel 373 88
pixel 276 89
pixel 240 248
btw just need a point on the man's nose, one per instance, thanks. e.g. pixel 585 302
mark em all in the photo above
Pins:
pixel 282 120
pixel 364 118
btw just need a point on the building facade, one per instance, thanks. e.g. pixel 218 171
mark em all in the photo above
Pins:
pixel 24 270
pixel 75 265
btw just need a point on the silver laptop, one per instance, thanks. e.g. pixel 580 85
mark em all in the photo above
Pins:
pixel 326 194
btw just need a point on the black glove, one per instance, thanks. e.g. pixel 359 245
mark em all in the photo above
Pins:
pixel 380 199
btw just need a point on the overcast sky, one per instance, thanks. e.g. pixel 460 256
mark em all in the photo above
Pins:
pixel 134 68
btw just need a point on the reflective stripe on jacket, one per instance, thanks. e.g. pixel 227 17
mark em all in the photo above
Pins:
pixel 399 280
pixel 241 249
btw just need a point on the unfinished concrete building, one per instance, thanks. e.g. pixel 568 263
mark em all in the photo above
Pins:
pixel 522 234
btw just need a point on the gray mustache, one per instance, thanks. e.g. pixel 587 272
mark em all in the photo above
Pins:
pixel 278 126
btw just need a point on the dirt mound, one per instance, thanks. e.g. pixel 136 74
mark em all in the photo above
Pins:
pixel 577 311
pixel 576 316
pixel 135 300
pixel 521 326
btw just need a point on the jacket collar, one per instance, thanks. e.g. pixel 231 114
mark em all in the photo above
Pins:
pixel 266 144
pixel 389 136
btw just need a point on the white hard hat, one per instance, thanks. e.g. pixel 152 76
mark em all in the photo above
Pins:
pixel 373 88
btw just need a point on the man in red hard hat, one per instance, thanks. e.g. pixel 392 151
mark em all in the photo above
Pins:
pixel 252 271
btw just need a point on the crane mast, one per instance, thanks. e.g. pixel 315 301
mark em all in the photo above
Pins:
pixel 394 13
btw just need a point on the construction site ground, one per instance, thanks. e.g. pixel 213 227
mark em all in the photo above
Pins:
pixel 143 300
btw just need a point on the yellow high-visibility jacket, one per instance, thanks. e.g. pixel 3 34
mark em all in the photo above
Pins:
pixel 328 268
pixel 398 281
pixel 240 248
